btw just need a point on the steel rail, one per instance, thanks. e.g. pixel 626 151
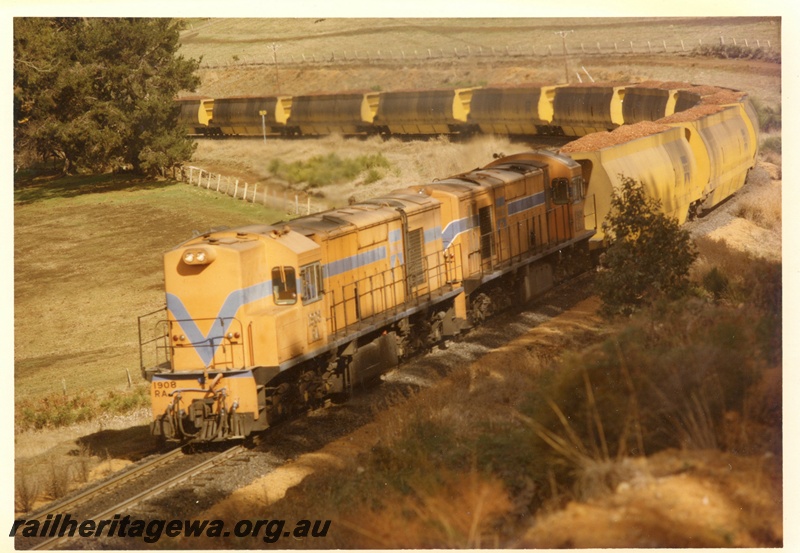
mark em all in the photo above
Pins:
pixel 146 494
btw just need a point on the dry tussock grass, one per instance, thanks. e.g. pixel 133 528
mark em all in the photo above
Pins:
pixel 460 512
pixel 764 210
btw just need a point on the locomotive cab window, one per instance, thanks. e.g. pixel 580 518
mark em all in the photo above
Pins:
pixel 559 191
pixel 311 282
pixel 284 285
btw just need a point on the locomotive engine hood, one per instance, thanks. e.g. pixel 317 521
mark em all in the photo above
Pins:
pixel 216 282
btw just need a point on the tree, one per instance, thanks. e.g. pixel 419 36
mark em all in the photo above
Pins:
pixel 98 94
pixel 649 256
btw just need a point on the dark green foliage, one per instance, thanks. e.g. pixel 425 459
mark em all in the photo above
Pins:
pixel 715 282
pixel 98 94
pixel 649 257
pixel 737 51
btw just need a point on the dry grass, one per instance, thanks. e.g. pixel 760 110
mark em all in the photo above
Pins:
pixel 219 41
pixel 410 163
pixel 222 39
pixel 86 264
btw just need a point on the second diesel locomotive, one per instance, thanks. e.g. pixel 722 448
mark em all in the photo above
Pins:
pixel 269 320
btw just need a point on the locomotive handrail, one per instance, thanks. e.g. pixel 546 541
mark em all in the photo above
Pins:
pixel 156 337
pixel 383 286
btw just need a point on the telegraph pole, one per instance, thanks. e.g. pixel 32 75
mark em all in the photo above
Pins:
pixel 275 61
pixel 563 35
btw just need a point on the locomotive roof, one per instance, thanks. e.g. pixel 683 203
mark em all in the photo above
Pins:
pixel 362 214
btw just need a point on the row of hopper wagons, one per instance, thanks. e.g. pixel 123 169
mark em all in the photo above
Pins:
pixel 525 110
pixel 691 146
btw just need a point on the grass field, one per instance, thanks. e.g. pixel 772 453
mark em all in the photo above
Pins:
pixel 87 262
pixel 399 54
pixel 229 40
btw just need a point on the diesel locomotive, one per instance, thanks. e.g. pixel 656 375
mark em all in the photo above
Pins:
pixel 265 321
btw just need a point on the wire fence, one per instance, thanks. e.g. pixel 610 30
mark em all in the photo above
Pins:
pixel 271 57
pixel 276 197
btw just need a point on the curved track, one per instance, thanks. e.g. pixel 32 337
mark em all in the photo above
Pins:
pixel 102 490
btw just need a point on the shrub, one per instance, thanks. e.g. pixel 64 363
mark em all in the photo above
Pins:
pixel 669 379
pixel 772 145
pixel 736 51
pixel 715 282
pixel 649 256
pixel 57 410
pixel 769 118
pixel 328 169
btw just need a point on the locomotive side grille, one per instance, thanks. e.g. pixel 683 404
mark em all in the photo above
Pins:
pixel 485 218
pixel 414 265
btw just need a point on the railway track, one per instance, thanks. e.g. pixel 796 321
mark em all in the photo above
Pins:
pixel 120 480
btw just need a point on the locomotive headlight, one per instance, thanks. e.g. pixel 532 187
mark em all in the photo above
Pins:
pixel 198 256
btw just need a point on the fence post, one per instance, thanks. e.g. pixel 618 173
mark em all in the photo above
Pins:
pixel 296 205
pixel 191 173
pixel 208 182
pixel 236 188
pixel 255 192
pixel 244 196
